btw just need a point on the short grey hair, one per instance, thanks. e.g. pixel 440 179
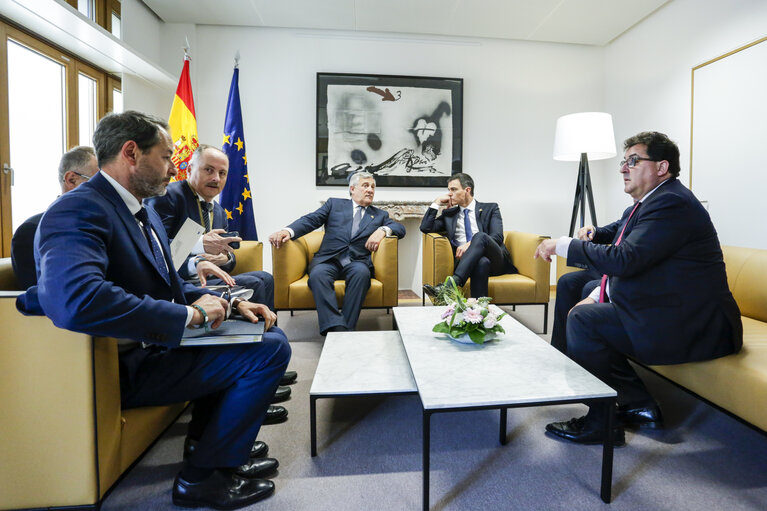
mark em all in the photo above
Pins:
pixel 360 175
pixel 75 159
pixel 197 154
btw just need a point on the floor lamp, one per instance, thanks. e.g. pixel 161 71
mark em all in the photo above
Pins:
pixel 582 137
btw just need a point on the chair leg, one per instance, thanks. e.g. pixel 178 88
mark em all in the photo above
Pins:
pixel 291 313
pixel 545 317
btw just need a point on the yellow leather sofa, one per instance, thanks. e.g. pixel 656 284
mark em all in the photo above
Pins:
pixel 64 439
pixel 291 261
pixel 736 383
pixel 528 287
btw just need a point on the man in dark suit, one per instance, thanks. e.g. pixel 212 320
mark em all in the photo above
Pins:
pixel 475 231
pixel 213 255
pixel 193 198
pixel 76 167
pixel 664 297
pixel 353 229
pixel 105 269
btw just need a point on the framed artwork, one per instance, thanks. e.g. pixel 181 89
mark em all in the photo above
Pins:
pixel 406 130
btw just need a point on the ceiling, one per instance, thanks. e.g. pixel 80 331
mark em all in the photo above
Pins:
pixel 593 22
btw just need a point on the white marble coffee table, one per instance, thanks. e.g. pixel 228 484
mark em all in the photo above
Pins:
pixel 519 369
pixel 356 364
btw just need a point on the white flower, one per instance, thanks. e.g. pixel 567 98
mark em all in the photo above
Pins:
pixel 471 302
pixel 472 316
pixel 490 321
pixel 495 310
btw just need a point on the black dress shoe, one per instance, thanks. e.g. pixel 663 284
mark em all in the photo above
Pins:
pixel 281 394
pixel 257 468
pixel 259 449
pixel 580 432
pixel 432 291
pixel 222 490
pixel 648 417
pixel 288 378
pixel 275 415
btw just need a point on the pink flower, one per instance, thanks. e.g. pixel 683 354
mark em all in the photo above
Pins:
pixel 471 302
pixel 490 321
pixel 449 311
pixel 472 316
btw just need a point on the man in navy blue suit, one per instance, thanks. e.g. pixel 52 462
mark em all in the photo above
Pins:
pixel 353 229
pixel 475 231
pixel 104 269
pixel 76 166
pixel 663 297
pixel 193 198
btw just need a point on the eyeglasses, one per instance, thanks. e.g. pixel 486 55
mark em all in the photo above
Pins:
pixel 82 175
pixel 632 160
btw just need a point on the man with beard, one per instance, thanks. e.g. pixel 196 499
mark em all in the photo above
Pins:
pixel 105 270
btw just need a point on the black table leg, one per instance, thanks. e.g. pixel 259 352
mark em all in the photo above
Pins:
pixel 313 423
pixel 502 437
pixel 426 448
pixel 607 453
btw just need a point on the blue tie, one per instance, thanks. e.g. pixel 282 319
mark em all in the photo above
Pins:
pixel 467 225
pixel 159 262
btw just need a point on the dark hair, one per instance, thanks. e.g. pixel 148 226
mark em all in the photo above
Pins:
pixel 659 147
pixel 114 130
pixel 464 179
pixel 75 159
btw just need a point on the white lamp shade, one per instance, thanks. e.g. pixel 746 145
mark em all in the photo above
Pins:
pixel 585 132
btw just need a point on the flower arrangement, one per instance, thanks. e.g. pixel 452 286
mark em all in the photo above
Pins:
pixel 476 318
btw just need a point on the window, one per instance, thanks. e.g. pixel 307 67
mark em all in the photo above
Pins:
pixel 55 101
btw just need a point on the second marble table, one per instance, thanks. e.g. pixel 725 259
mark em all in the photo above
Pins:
pixel 517 370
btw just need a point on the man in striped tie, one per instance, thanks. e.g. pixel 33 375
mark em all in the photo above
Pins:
pixel 663 297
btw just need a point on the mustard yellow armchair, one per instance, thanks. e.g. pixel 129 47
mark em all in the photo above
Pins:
pixel 291 280
pixel 250 257
pixel 528 287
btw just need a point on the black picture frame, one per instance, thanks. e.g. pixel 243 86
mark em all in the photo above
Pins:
pixel 406 130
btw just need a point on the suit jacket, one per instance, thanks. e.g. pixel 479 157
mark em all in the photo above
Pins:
pixel 336 215
pixel 667 279
pixel 97 273
pixel 23 252
pixel 488 219
pixel 179 203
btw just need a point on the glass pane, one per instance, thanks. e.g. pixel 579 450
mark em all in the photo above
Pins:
pixel 117 101
pixel 37 122
pixel 87 108
pixel 86 8
pixel 116 25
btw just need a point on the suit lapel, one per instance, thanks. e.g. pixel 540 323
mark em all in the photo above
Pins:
pixel 367 217
pixel 479 215
pixel 129 221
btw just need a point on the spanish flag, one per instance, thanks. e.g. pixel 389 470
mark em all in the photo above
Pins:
pixel 183 124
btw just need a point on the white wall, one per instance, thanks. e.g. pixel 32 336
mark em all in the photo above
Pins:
pixel 513 93
pixel 648 73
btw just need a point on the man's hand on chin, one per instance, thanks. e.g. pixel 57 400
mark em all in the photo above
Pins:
pixel 375 240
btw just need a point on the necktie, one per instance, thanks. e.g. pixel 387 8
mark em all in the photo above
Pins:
pixel 159 261
pixel 356 221
pixel 603 285
pixel 467 225
pixel 207 207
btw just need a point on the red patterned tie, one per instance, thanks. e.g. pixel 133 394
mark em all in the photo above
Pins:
pixel 603 286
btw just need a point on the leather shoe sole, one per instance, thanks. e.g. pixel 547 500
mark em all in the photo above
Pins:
pixel 258 468
pixel 275 415
pixel 222 490
pixel 288 378
pixel 649 417
pixel 281 394
pixel 259 449
pixel 576 430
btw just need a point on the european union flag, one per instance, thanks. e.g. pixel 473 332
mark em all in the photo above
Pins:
pixel 235 198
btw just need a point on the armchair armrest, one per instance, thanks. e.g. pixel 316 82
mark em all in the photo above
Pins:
pixel 437 261
pixel 289 263
pixel 250 257
pixel 522 247
pixel 386 265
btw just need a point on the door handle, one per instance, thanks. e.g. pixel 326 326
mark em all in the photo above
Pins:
pixel 7 169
